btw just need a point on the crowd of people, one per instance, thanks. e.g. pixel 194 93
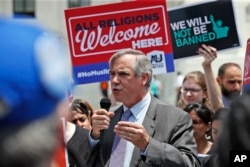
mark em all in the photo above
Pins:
pixel 205 98
pixel 209 120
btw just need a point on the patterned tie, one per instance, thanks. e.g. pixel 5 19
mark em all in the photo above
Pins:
pixel 119 146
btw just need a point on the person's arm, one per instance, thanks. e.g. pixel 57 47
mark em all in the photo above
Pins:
pixel 214 93
pixel 178 148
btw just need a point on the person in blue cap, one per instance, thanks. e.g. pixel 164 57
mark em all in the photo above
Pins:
pixel 33 82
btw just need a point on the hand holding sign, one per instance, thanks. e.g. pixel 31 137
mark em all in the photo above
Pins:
pixel 209 53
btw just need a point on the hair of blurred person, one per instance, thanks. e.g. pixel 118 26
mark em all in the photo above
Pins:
pixel 219 117
pixel 231 82
pixel 194 89
pixel 33 81
pixel 202 120
pixel 82 112
pixel 235 133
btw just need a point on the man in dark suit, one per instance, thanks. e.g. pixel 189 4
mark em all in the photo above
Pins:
pixel 156 134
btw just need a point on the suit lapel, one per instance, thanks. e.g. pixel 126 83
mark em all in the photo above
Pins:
pixel 149 125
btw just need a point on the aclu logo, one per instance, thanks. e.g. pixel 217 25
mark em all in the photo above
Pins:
pixel 240 158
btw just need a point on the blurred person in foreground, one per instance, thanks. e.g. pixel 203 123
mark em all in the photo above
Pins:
pixel 235 134
pixel 33 82
pixel 153 134
pixel 218 119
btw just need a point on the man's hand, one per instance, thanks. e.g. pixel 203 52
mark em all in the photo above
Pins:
pixel 134 133
pixel 100 121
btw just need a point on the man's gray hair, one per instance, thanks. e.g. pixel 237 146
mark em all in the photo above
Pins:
pixel 142 65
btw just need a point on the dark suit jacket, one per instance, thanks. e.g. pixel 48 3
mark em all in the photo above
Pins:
pixel 171 139
pixel 76 146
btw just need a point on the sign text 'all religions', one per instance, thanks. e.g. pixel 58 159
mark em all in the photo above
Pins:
pixel 135 31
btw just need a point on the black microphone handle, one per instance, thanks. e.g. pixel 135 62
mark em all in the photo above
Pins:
pixel 105 103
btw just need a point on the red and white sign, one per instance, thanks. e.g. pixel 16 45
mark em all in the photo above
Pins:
pixel 96 32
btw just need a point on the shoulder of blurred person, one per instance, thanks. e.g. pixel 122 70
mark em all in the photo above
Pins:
pixel 235 133
pixel 32 90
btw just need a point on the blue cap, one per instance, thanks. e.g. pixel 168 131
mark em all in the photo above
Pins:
pixel 33 72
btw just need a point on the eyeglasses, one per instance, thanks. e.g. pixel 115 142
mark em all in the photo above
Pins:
pixel 186 90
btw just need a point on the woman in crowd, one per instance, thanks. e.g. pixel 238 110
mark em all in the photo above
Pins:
pixel 194 89
pixel 235 134
pixel 202 120
pixel 202 87
pixel 82 112
pixel 219 117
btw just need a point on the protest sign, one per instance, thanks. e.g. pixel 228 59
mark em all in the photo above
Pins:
pixel 97 32
pixel 246 78
pixel 211 23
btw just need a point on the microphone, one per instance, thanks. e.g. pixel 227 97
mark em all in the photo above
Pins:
pixel 105 103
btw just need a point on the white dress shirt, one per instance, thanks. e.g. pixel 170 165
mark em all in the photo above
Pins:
pixel 139 111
